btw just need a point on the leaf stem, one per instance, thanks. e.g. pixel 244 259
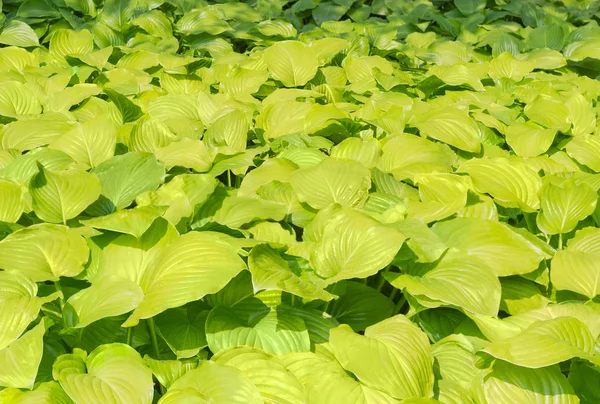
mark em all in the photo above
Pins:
pixel 393 294
pixel 560 241
pixel 129 336
pixel 153 338
pixel 229 178
pixel 400 304
pixel 61 301
pixel 381 280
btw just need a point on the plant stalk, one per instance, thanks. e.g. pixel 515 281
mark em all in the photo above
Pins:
pixel 61 301
pixel 154 339
pixel 400 305
pixel 129 336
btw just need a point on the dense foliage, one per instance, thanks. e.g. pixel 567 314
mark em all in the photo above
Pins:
pixel 322 202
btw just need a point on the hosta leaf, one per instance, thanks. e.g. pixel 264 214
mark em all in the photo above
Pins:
pixel 275 383
pixel 21 359
pixel 276 333
pixel 168 371
pixel 441 195
pixel 90 144
pixel 44 252
pixel 327 382
pixel 211 382
pixel 349 244
pixel 19 303
pixel 112 373
pixel 529 139
pixel 62 195
pixel 271 272
pixel 407 155
pixel 183 329
pixel 585 149
pixel 452 126
pixel 129 221
pixel 17 100
pixel 584 379
pixel 563 205
pixel 467 283
pixel 107 297
pixel 237 211
pixel 193 266
pixel 228 130
pixel 455 360
pixel 549 112
pixel 17 33
pixel 123 178
pixel 359 305
pixel 522 385
pixel 186 153
pixel 395 344
pixel 576 271
pixel 332 181
pixel 581 115
pixel 180 196
pixel 502 249
pixel 291 62
pixel 510 183
pixel 45 393
pixel 31 133
pixel 545 343
pixel 11 201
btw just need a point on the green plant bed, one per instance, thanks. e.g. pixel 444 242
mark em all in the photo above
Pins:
pixel 288 202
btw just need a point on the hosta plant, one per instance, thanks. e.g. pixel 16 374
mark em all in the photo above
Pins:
pixel 299 202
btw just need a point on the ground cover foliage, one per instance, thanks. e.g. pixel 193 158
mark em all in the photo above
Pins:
pixel 304 201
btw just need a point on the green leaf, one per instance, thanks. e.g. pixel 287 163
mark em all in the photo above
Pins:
pixel 464 282
pixel 112 373
pixel 468 7
pixel 276 333
pixel 359 305
pixel 44 252
pixel 11 201
pixel 585 149
pixel 522 385
pixel 45 393
pixel 511 183
pixel 576 271
pixel 186 153
pixel 89 144
pixel 123 178
pixel 332 181
pixel 129 221
pixel 393 356
pixel 116 13
pixel 291 62
pixel 168 371
pixel 192 266
pixel 499 247
pixel 280 386
pixel 349 244
pixel 66 42
pixel 585 380
pixel 20 360
pixel 327 382
pixel 20 305
pixel 17 33
pixel 271 272
pixel 564 204
pixel 452 126
pixel 183 329
pixel 17 100
pixel 107 297
pixel 213 382
pixel 545 343
pixel 202 20
pixel 529 139
pixel 181 195
pixel 62 195
pixel 31 133
pixel 406 155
